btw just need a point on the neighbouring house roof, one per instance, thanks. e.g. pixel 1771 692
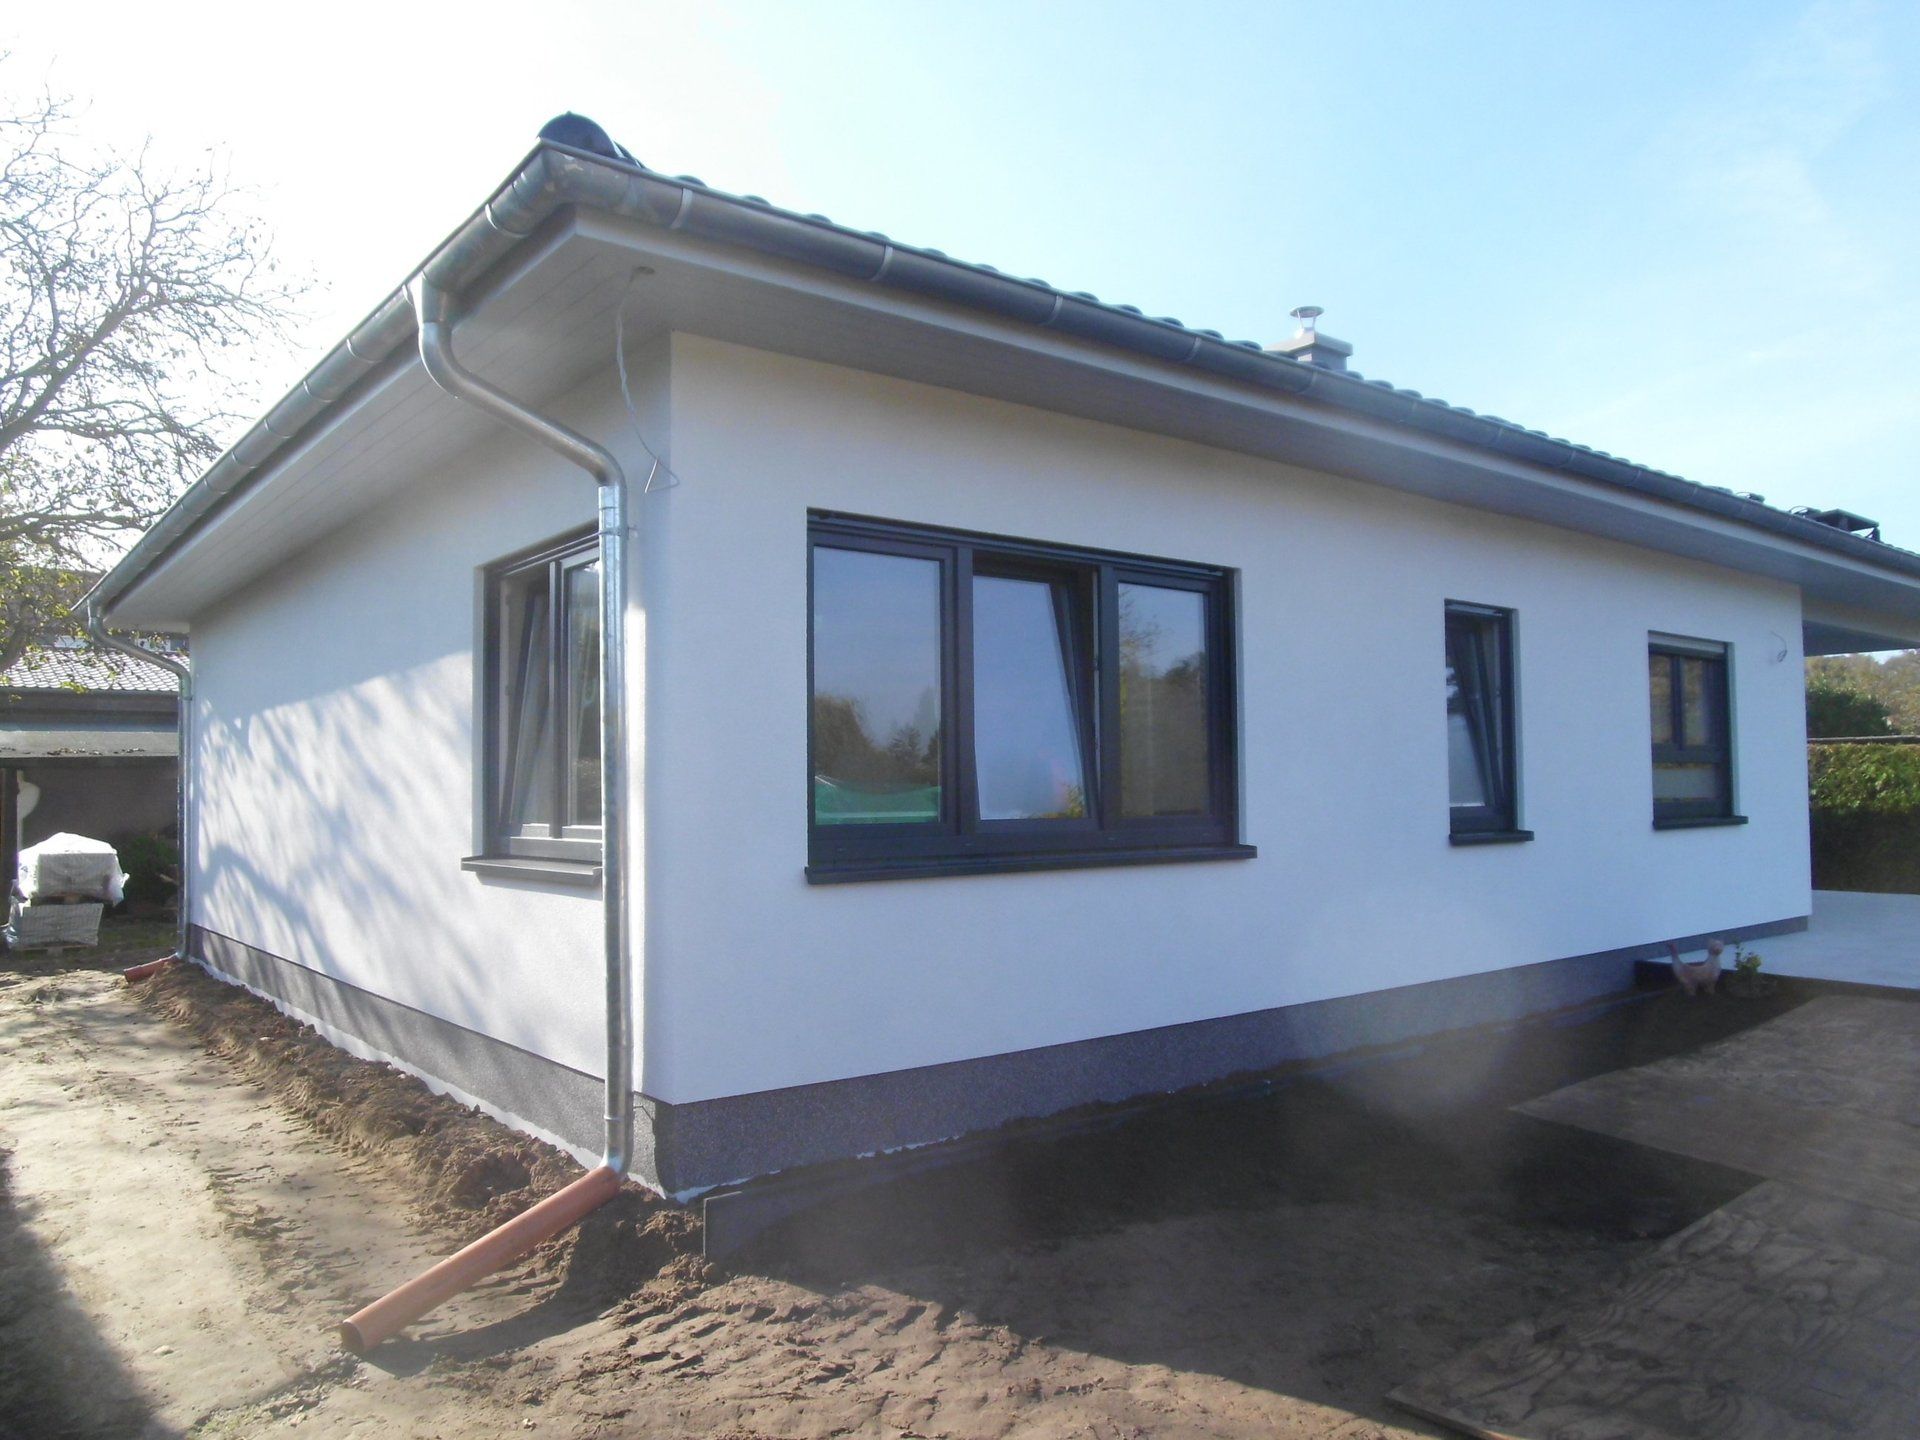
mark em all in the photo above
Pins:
pixel 74 666
pixel 558 181
pixel 71 700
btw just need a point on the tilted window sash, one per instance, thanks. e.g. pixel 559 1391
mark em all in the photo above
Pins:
pixel 542 652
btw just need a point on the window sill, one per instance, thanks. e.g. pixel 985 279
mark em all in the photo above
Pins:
pixel 1489 837
pixel 520 867
pixel 1698 822
pixel 850 871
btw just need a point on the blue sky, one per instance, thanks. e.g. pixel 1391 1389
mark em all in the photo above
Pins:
pixel 1688 234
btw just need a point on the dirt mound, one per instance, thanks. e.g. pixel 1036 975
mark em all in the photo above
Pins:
pixel 469 1172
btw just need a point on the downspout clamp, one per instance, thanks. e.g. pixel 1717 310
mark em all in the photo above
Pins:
pixel 97 630
pixel 386 1316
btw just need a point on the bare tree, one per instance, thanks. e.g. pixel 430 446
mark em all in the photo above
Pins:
pixel 129 298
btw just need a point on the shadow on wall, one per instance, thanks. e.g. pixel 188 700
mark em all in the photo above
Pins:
pixel 331 834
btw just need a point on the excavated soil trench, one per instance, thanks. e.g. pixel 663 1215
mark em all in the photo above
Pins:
pixel 197 1187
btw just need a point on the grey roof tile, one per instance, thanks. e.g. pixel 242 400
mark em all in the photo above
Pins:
pixel 1170 322
pixel 79 666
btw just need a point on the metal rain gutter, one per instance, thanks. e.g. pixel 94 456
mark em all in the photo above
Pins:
pixel 555 176
pixel 96 628
pixel 385 1317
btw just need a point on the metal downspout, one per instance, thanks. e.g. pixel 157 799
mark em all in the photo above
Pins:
pixel 389 1314
pixel 97 630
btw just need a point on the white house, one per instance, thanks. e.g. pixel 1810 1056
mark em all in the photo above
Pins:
pixel 1019 701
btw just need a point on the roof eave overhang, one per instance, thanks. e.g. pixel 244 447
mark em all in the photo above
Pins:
pixel 1327 420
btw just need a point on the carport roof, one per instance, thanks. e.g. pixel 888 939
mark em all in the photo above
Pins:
pixel 29 742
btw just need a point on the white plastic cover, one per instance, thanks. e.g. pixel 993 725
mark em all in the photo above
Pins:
pixel 71 865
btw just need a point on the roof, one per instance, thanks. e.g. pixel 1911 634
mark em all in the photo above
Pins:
pixel 25 742
pixel 555 179
pixel 75 665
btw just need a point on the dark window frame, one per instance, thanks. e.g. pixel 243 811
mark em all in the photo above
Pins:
pixel 1716 748
pixel 576 844
pixel 960 842
pixel 1496 733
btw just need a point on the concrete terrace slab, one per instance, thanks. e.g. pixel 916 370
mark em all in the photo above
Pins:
pixel 1863 938
pixel 1777 1317
pixel 1790 1313
pixel 1826 1097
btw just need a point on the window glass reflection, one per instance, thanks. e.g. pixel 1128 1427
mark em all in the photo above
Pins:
pixel 1026 738
pixel 876 688
pixel 1163 701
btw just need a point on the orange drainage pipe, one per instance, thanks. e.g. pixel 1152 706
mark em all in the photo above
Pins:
pixel 386 1317
pixel 152 967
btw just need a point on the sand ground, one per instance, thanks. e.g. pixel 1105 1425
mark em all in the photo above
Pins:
pixel 188 1208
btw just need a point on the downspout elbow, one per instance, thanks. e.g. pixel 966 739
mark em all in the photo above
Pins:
pixel 433 307
pixel 97 632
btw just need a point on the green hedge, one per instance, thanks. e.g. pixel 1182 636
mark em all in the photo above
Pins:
pixel 1849 780
pixel 1866 816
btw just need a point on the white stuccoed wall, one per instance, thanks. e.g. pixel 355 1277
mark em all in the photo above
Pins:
pixel 338 740
pixel 757 980
pixel 336 699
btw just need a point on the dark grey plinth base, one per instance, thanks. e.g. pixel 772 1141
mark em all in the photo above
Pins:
pixel 552 1097
pixel 680 1148
pixel 711 1142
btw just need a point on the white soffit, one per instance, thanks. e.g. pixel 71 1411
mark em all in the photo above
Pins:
pixel 750 299
pixel 544 328
pixel 547 323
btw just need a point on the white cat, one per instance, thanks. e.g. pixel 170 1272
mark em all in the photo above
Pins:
pixel 1700 975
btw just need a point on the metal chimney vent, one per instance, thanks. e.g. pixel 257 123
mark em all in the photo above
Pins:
pixel 1308 344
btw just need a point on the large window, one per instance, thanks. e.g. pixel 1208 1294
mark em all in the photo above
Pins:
pixel 543 687
pixel 1692 731
pixel 1480 746
pixel 982 703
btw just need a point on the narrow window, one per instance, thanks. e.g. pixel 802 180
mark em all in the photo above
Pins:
pixel 1691 723
pixel 982 703
pixel 876 688
pixel 1480 749
pixel 1165 743
pixel 1027 726
pixel 543 721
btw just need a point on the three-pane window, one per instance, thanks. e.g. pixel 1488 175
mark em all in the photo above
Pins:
pixel 979 703
pixel 543 651
pixel 1692 729
pixel 1481 785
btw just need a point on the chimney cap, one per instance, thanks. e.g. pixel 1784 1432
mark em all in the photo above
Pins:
pixel 1309 345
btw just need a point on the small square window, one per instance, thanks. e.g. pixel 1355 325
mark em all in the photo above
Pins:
pixel 1692 727
pixel 543 713
pixel 1480 744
